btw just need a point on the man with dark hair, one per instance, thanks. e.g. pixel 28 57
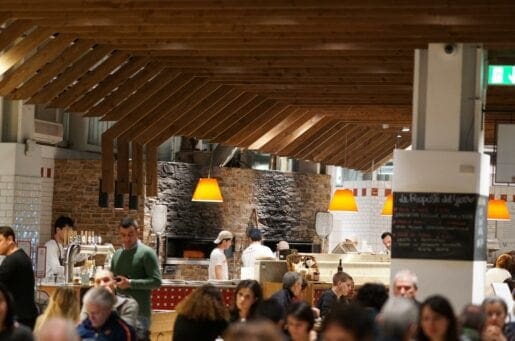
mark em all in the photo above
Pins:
pixel 136 269
pixel 349 322
pixel 255 249
pixel 17 275
pixel 342 283
pixel 55 247
pixel 386 237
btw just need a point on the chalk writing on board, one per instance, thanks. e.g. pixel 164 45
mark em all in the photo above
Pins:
pixel 439 226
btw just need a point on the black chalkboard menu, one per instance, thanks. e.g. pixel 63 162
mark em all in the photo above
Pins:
pixel 449 226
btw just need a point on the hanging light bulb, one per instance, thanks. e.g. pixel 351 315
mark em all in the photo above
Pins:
pixel 343 200
pixel 498 210
pixel 388 206
pixel 207 190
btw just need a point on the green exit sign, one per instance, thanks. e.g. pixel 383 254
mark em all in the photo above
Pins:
pixel 501 74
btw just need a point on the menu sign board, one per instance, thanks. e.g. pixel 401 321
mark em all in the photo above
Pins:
pixel 449 226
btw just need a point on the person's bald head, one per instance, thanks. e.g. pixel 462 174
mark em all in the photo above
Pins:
pixel 57 329
pixel 105 278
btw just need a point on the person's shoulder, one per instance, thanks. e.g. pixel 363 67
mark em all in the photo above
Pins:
pixel 51 243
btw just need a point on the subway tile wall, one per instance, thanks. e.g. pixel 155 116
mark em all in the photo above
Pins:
pixel 367 225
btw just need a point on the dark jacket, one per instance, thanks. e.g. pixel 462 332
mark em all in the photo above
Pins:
pixel 113 329
pixel 186 329
pixel 284 297
pixel 326 301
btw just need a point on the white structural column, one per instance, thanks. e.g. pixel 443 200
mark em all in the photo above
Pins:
pixel 441 186
pixel 20 178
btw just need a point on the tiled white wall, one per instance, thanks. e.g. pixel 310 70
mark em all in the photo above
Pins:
pixel 367 225
pixel 6 199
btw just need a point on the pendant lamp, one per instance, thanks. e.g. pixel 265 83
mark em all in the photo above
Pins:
pixel 207 189
pixel 343 200
pixel 498 210
pixel 388 206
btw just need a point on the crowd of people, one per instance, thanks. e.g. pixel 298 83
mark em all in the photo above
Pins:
pixel 340 314
pixel 117 307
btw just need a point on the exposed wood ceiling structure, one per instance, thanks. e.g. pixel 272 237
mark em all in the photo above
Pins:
pixel 310 79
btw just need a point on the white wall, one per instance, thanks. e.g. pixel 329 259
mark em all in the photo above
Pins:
pixel 367 225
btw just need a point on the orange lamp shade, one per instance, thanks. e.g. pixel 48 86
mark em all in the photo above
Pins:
pixel 388 206
pixel 343 200
pixel 207 190
pixel 498 210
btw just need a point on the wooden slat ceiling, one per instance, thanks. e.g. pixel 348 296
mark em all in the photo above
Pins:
pixel 327 81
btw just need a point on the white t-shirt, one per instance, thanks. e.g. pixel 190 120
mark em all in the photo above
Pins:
pixel 53 251
pixel 217 257
pixel 494 275
pixel 253 251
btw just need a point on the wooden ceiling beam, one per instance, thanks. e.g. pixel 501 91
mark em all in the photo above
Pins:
pixel 256 125
pixel 289 135
pixel 197 122
pixel 142 111
pixel 111 82
pixel 12 32
pixel 89 80
pixel 195 96
pixel 203 105
pixel 233 122
pixel 23 48
pixel 177 90
pixel 309 134
pixel 305 151
pixel 246 121
pixel 357 143
pixel 151 94
pixel 31 65
pixel 291 121
pixel 338 141
pixel 121 93
pixel 70 75
pixel 226 117
pixel 261 131
pixel 366 151
pixel 51 70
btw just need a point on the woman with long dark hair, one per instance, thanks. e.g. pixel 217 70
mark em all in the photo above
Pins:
pixel 247 295
pixel 201 315
pixel 437 321
pixel 9 328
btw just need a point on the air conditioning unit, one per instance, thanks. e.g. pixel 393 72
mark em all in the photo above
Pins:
pixel 48 132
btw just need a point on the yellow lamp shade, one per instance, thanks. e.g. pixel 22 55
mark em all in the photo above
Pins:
pixel 498 210
pixel 388 206
pixel 207 190
pixel 343 200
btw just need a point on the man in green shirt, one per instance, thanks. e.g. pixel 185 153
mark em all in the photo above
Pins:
pixel 136 269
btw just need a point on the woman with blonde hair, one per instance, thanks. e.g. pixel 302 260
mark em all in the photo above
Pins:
pixel 201 316
pixel 63 303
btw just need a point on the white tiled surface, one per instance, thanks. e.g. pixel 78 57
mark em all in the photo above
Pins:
pixel 367 225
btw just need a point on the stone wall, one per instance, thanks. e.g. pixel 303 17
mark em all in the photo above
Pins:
pixel 286 203
pixel 76 195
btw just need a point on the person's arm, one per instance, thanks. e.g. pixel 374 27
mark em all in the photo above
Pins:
pixel 218 272
pixel 152 277
pixel 52 257
pixel 128 311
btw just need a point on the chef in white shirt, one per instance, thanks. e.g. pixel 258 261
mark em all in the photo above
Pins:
pixel 55 246
pixel 255 249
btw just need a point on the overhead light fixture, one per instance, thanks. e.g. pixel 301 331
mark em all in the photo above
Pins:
pixel 497 209
pixel 207 189
pixel 343 200
pixel 405 129
pixel 388 206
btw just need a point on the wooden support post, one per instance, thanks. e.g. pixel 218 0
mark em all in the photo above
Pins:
pixel 107 164
pixel 122 169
